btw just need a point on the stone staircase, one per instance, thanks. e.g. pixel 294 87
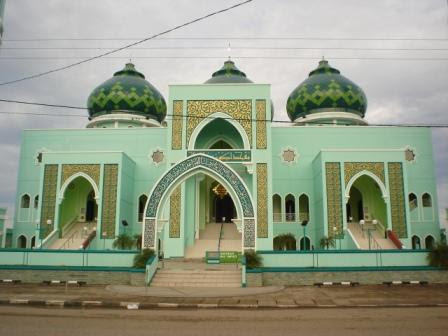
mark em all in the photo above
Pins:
pixel 195 274
pixel 377 242
pixel 74 238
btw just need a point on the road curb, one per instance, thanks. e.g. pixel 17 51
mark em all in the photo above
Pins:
pixel 91 304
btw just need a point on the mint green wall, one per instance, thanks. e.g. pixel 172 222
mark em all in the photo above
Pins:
pixel 189 211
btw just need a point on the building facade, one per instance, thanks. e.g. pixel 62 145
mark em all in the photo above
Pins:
pixel 210 170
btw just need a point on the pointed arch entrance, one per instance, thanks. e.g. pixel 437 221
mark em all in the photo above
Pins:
pixel 222 173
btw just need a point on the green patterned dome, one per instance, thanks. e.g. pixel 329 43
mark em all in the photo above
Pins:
pixel 127 92
pixel 326 90
pixel 229 73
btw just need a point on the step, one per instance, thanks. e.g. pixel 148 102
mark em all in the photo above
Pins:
pixel 194 284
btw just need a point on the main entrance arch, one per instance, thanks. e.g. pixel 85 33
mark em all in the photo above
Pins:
pixel 180 172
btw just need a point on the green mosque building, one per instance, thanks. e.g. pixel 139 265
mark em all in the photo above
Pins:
pixel 206 169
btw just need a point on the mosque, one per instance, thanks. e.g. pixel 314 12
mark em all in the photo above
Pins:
pixel 209 170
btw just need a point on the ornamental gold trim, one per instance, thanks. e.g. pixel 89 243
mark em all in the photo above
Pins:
pixel 260 107
pixel 175 204
pixel 334 197
pixel 48 206
pixel 353 168
pixel 397 199
pixel 92 170
pixel 262 200
pixel 109 208
pixel 240 110
pixel 177 124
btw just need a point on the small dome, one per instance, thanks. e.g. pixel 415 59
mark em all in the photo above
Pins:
pixel 326 90
pixel 229 73
pixel 127 92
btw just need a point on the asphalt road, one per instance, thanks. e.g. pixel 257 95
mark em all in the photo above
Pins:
pixel 369 321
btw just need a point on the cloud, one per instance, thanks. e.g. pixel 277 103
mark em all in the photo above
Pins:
pixel 398 91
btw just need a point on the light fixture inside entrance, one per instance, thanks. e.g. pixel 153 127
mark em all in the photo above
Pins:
pixel 220 190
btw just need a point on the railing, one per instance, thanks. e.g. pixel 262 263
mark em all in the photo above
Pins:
pixel 88 240
pixel 67 227
pixel 277 217
pixel 220 236
pixel 379 226
pixel 393 237
pixel 290 217
pixel 69 240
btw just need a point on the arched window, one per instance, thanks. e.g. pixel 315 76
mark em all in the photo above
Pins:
pixel 277 208
pixel 416 243
pixel 305 244
pixel 430 242
pixel 413 203
pixel 36 201
pixel 21 242
pixel 25 202
pixel 141 206
pixel 426 200
pixel 33 242
pixel 304 208
pixel 290 208
pixel 285 242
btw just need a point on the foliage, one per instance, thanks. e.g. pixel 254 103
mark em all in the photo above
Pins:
pixel 438 256
pixel 138 241
pixel 141 259
pixel 284 242
pixel 327 242
pixel 253 259
pixel 123 242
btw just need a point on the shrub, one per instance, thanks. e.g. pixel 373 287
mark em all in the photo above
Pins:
pixel 285 241
pixel 138 241
pixel 253 259
pixel 327 242
pixel 141 259
pixel 123 242
pixel 438 256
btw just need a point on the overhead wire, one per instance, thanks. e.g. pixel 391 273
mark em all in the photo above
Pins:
pixel 173 117
pixel 201 18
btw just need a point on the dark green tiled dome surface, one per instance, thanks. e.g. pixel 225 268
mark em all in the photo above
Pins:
pixel 326 90
pixel 127 91
pixel 229 73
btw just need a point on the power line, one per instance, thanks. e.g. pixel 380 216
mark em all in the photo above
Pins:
pixel 173 117
pixel 86 59
pixel 128 45
pixel 301 38
pixel 233 47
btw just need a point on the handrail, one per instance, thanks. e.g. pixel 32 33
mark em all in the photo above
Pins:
pixel 70 239
pixel 86 243
pixel 220 237
pixel 67 227
pixel 393 237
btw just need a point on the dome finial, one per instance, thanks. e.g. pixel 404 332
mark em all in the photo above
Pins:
pixel 229 49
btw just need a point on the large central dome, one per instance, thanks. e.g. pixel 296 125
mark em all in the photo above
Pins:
pixel 327 97
pixel 127 92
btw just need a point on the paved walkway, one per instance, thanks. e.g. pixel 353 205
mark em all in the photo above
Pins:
pixel 192 292
pixel 267 297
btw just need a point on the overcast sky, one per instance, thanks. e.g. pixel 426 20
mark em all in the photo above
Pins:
pixel 398 91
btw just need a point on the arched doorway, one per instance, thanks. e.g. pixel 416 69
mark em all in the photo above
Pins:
pixel 192 171
pixel 21 242
pixel 366 201
pixel 78 208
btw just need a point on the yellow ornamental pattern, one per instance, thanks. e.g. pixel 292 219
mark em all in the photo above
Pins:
pixel 48 200
pixel 177 125
pixel 240 110
pixel 261 124
pixel 262 200
pixel 353 168
pixel 397 199
pixel 334 197
pixel 175 203
pixel 108 215
pixel 92 170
